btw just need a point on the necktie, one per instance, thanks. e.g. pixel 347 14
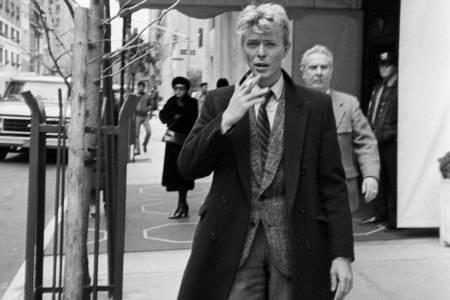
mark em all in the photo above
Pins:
pixel 263 127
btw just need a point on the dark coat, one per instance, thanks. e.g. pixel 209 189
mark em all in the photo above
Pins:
pixel 385 127
pixel 171 178
pixel 315 191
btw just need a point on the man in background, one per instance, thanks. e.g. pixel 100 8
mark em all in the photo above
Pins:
pixel 200 95
pixel 382 115
pixel 143 112
pixel 356 139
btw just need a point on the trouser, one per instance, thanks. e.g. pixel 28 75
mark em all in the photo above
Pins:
pixel 259 278
pixel 139 121
pixel 385 204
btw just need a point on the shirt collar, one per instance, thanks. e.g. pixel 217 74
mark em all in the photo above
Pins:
pixel 277 88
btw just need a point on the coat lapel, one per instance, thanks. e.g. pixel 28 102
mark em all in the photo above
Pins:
pixel 338 108
pixel 296 118
pixel 241 148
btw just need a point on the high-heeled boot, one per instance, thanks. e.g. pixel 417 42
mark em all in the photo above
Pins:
pixel 182 207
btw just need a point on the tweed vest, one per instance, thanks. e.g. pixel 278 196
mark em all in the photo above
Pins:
pixel 268 207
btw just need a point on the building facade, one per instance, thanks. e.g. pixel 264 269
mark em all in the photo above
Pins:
pixel 23 41
pixel 181 50
pixel 12 42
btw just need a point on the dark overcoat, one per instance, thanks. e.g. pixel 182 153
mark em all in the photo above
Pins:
pixel 188 113
pixel 315 191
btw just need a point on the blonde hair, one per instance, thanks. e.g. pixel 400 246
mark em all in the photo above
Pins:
pixel 317 49
pixel 263 18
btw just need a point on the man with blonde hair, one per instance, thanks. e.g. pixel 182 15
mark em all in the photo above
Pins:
pixel 276 223
pixel 357 142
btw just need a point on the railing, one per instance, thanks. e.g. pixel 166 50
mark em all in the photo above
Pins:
pixel 111 154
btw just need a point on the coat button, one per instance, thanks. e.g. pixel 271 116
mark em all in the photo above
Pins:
pixel 224 200
pixel 213 236
pixel 302 171
pixel 301 208
pixel 308 245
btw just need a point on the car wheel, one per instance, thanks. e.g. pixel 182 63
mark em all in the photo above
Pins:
pixel 3 152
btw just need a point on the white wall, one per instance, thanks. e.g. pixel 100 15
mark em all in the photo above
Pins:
pixel 424 109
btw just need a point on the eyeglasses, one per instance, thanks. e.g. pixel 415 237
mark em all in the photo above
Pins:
pixel 179 88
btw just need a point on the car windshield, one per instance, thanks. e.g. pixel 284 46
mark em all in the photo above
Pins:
pixel 47 92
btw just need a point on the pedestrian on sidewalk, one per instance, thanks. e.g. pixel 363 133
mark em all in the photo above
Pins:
pixel 357 142
pixel 200 95
pixel 179 113
pixel 276 223
pixel 143 112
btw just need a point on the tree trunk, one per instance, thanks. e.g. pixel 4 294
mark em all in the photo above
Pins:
pixel 95 37
pixel 77 205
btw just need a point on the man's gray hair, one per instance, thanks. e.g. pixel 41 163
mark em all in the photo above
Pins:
pixel 317 49
pixel 263 18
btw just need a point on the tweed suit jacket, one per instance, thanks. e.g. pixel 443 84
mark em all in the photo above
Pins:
pixel 316 198
pixel 268 206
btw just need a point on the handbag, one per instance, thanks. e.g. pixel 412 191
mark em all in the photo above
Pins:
pixel 173 137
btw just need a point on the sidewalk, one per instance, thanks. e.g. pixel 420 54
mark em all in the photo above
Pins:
pixel 397 269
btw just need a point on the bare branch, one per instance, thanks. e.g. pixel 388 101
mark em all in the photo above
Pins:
pixel 64 53
pixel 69 6
pixel 151 23
pixel 66 32
pixel 41 14
pixel 52 18
pixel 35 56
pixel 131 62
pixel 118 14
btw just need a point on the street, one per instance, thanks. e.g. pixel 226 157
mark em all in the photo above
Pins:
pixel 13 211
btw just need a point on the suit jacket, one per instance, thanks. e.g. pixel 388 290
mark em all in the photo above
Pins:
pixel 315 194
pixel 357 142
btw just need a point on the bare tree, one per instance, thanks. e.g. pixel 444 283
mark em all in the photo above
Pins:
pixel 87 55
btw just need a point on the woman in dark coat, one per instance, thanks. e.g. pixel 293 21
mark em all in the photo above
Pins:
pixel 179 113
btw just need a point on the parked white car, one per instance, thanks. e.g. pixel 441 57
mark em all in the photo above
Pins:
pixel 15 116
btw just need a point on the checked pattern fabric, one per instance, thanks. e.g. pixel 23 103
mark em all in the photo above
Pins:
pixel 263 126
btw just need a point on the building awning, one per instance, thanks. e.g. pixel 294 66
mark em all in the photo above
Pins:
pixel 204 9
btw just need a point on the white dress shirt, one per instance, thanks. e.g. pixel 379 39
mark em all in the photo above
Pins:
pixel 271 108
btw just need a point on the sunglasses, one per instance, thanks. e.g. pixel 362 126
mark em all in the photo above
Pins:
pixel 179 88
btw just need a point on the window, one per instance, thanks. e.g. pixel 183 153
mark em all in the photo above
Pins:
pixel 18 60
pixel 57 8
pixel 12 9
pixel 6 30
pixel 6 57
pixel 1 28
pixel 7 6
pixel 18 36
pixel 12 33
pixel 57 22
pixel 1 3
pixel 1 55
pixel 12 59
